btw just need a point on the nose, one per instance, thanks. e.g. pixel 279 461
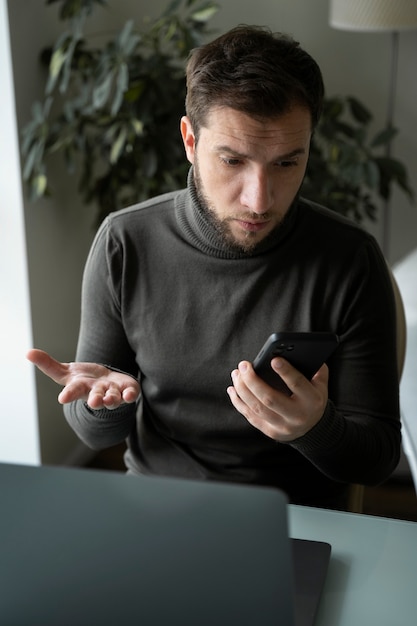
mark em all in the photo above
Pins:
pixel 256 193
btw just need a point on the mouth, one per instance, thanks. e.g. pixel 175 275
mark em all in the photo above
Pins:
pixel 253 226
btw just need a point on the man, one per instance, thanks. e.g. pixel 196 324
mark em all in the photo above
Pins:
pixel 180 293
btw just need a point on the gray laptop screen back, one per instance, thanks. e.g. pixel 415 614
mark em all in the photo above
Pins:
pixel 98 548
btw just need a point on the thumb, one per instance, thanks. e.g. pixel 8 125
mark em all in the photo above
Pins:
pixel 48 365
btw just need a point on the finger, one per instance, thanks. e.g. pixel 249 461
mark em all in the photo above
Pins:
pixel 292 377
pixel 257 421
pixel 237 402
pixel 48 365
pixel 99 395
pixel 130 394
pixel 255 392
pixel 321 377
pixel 256 398
pixel 111 395
pixel 104 396
pixel 77 390
pixel 265 408
pixel 96 398
pixel 309 398
pixel 112 399
pixel 295 380
pixel 277 415
pixel 123 388
pixel 246 399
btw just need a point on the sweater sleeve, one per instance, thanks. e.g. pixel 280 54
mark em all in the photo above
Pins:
pixel 102 428
pixel 102 339
pixel 358 438
pixel 357 450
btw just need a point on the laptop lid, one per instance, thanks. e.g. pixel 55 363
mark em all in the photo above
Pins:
pixel 100 548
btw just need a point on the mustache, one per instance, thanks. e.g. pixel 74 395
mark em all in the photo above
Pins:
pixel 251 217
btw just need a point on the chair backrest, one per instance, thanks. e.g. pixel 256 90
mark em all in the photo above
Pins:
pixel 405 272
pixel 356 492
pixel 401 324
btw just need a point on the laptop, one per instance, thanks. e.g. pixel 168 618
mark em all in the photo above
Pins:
pixel 97 548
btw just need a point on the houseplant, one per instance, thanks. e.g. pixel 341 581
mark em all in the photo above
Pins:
pixel 349 170
pixel 113 111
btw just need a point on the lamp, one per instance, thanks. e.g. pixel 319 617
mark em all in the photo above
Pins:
pixel 378 16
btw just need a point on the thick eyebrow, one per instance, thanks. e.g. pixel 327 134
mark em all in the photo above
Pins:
pixel 241 155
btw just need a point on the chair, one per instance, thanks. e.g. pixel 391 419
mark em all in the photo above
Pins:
pixel 356 491
pixel 405 272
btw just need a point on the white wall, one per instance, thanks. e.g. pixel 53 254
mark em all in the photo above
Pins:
pixel 19 441
pixel 58 235
pixel 59 230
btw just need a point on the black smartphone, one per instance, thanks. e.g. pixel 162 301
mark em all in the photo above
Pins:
pixel 305 351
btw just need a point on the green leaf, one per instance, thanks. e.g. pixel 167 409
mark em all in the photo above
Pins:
pixel 151 164
pixel 29 162
pixel 123 38
pixel 122 81
pixel 126 40
pixel 332 108
pixel 384 137
pixel 359 111
pixel 204 14
pixel 345 129
pixel 393 170
pixel 118 146
pixel 40 111
pixel 137 127
pixel 172 7
pixel 135 91
pixel 39 185
pixel 371 174
pixel 66 71
pixel 57 61
pixel 101 93
pixel 171 31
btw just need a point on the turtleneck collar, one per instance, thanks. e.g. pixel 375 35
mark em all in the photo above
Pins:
pixel 204 236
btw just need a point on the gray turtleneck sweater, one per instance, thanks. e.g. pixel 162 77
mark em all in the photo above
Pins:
pixel 165 301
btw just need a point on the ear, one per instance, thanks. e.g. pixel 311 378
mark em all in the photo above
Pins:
pixel 188 138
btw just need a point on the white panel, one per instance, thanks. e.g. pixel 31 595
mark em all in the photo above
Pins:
pixel 19 441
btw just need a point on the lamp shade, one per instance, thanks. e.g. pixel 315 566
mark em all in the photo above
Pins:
pixel 373 15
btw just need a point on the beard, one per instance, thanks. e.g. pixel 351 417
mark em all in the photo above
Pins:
pixel 222 227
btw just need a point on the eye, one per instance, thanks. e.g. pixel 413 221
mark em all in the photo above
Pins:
pixel 231 161
pixel 289 163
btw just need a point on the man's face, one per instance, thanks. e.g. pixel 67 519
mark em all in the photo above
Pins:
pixel 247 171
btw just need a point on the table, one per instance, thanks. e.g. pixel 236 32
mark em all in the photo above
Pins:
pixel 372 577
pixel 69 541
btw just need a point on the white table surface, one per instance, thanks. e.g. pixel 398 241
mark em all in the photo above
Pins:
pixel 372 576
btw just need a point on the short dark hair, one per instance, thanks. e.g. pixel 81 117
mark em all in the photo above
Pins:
pixel 255 71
